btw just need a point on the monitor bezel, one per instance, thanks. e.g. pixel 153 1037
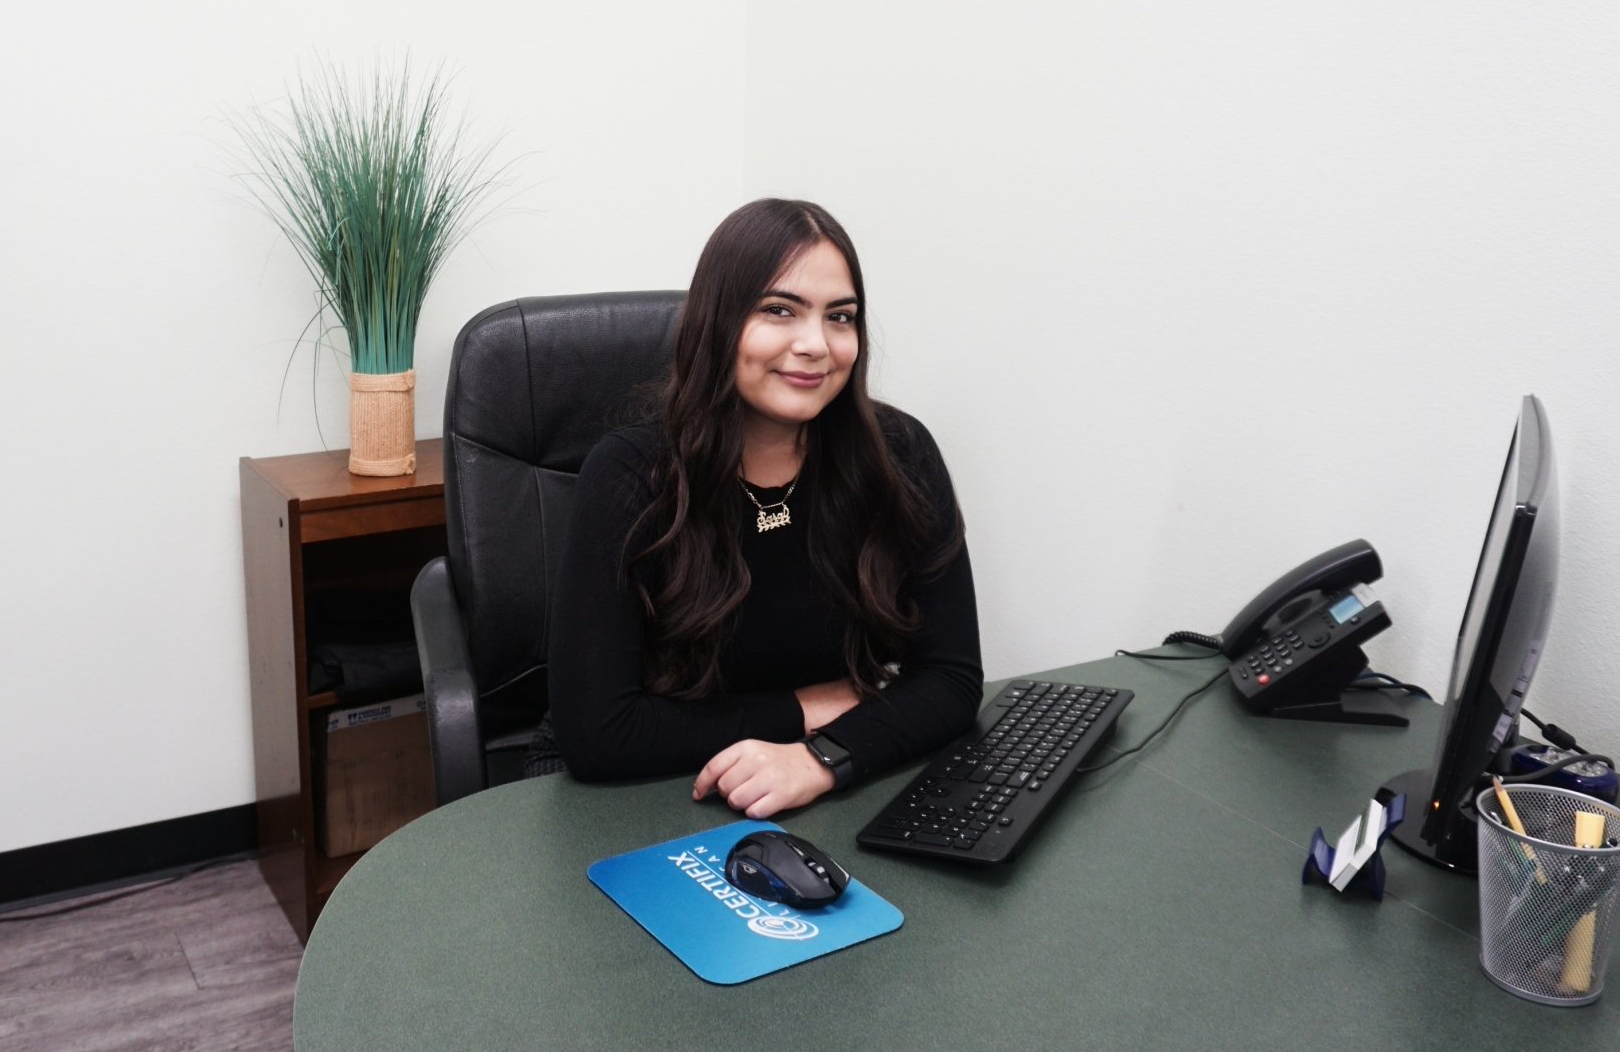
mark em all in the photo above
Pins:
pixel 1473 710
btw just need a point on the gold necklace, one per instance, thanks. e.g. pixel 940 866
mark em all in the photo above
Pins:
pixel 770 520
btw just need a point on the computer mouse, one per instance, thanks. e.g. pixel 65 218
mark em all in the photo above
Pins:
pixel 785 868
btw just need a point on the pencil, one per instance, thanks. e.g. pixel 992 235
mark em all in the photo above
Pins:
pixel 1577 974
pixel 1512 815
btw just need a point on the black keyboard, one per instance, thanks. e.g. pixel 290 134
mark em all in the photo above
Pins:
pixel 982 797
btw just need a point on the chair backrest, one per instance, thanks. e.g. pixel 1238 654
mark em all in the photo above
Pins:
pixel 534 384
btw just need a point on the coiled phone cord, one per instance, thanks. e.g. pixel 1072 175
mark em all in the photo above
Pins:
pixel 1195 638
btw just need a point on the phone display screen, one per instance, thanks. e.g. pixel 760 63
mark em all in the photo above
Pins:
pixel 1345 609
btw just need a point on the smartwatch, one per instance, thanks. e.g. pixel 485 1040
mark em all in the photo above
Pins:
pixel 832 756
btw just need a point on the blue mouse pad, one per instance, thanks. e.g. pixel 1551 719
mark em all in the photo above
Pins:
pixel 678 892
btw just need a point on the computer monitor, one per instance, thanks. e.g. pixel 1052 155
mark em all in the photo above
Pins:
pixel 1503 634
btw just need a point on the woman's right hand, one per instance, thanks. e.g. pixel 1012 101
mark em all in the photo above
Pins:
pixel 824 702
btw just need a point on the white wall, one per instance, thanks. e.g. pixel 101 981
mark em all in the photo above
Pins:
pixel 149 316
pixel 1189 292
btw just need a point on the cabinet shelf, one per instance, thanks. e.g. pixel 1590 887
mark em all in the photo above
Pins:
pixel 310 529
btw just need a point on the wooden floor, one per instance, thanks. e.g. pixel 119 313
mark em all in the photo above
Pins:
pixel 207 962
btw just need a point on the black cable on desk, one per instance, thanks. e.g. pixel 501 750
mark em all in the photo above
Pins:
pixel 1138 747
pixel 1536 776
pixel 1370 680
pixel 1186 638
pixel 1197 639
pixel 1554 734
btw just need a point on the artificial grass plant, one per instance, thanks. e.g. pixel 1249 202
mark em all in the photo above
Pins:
pixel 369 181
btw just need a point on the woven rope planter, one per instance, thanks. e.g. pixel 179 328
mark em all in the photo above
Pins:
pixel 382 423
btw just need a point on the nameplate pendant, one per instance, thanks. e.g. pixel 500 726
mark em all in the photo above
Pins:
pixel 770 520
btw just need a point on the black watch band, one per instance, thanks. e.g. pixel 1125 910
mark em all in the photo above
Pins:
pixel 832 756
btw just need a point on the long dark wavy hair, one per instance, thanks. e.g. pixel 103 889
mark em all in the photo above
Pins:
pixel 871 524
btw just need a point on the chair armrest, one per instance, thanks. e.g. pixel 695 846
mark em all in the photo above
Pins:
pixel 452 696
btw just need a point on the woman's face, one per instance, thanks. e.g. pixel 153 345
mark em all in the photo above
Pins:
pixel 799 343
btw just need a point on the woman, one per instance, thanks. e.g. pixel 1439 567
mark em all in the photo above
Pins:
pixel 777 558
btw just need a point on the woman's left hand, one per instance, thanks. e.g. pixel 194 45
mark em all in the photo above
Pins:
pixel 761 778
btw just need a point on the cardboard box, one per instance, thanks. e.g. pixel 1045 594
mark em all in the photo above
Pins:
pixel 375 771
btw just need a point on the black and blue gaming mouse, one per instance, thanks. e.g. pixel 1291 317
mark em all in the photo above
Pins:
pixel 785 868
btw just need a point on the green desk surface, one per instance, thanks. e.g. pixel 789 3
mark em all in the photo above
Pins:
pixel 1159 908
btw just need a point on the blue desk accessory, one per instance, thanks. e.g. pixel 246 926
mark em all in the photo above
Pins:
pixel 1592 778
pixel 677 891
pixel 1367 873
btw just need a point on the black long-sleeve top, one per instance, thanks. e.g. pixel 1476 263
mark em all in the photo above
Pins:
pixel 788 633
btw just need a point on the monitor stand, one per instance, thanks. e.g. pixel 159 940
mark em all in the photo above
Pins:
pixel 1459 856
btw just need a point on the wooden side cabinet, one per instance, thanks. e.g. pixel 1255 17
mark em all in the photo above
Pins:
pixel 308 526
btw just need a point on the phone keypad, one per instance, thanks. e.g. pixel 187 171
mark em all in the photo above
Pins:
pixel 1275 656
pixel 1261 672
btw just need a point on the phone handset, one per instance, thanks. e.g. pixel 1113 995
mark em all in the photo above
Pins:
pixel 1295 647
pixel 1291 594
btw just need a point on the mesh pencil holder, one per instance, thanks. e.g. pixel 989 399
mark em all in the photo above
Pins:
pixel 1547 909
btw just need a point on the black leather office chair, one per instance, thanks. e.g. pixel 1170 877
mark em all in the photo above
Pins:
pixel 534 384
